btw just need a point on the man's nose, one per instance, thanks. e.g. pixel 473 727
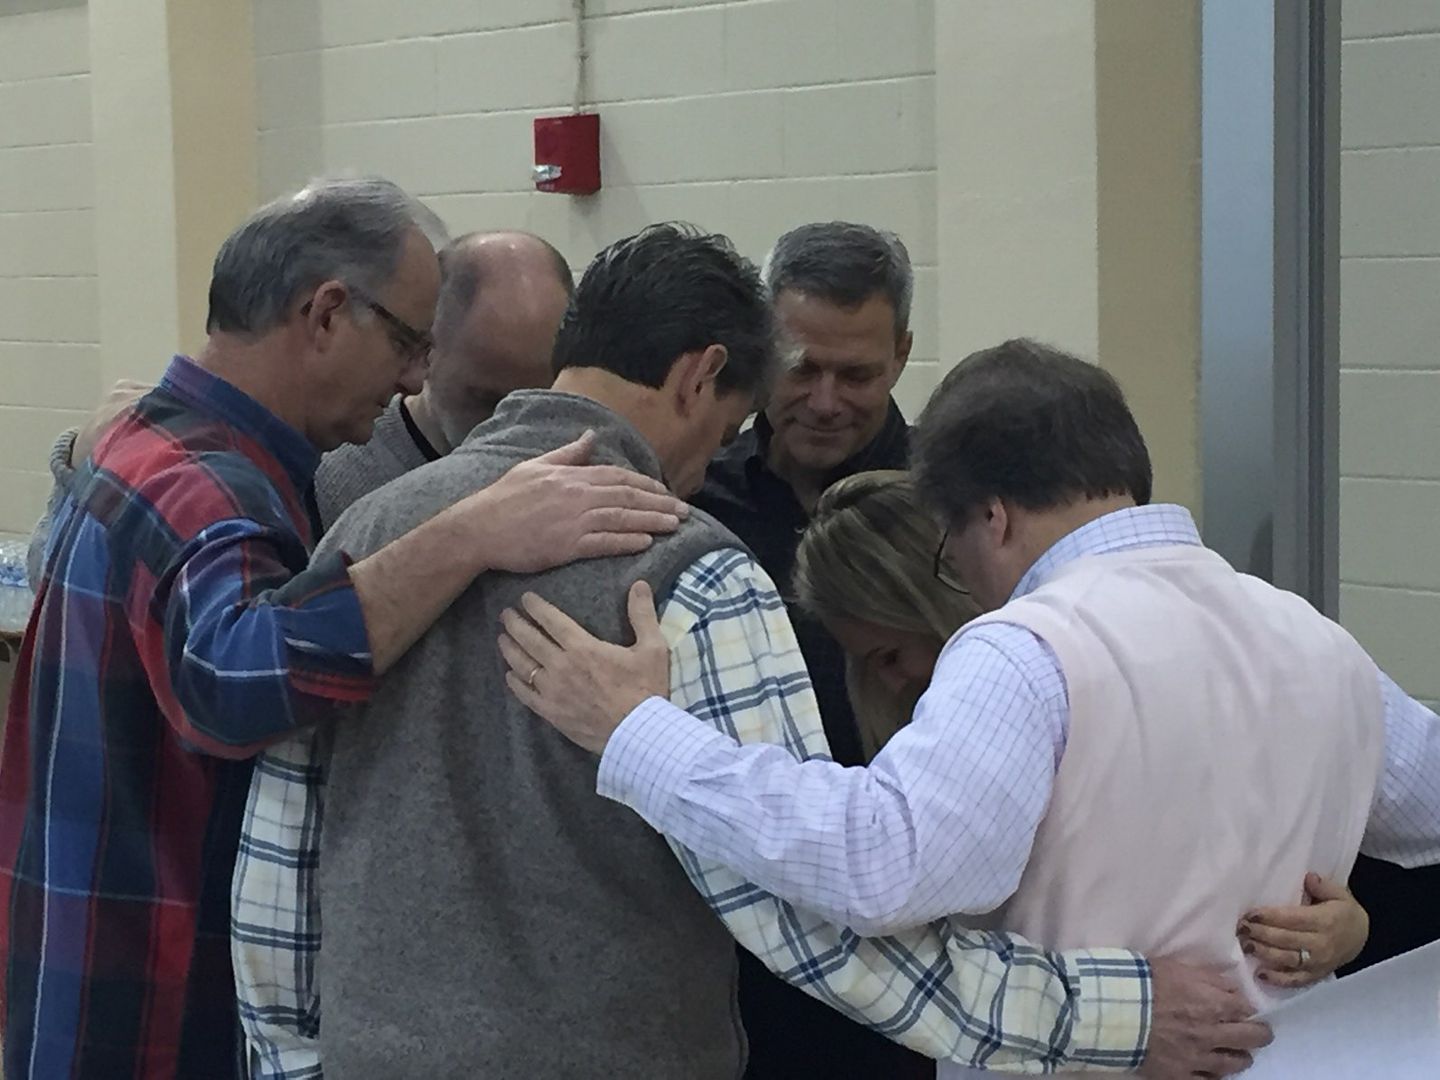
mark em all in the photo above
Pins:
pixel 823 398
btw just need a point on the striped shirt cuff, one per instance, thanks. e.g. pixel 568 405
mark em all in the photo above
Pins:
pixel 651 755
pixel 1113 1007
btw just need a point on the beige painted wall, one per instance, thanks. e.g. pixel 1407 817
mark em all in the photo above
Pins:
pixel 212 95
pixel 127 152
pixel 1147 102
pixel 174 95
pixel 1016 149
pixel 134 207
pixel 1068 194
pixel 49 330
pixel 743 117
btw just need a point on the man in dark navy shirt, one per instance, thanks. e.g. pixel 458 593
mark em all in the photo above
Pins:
pixel 842 293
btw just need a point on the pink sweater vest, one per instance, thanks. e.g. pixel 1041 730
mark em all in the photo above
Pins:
pixel 1224 739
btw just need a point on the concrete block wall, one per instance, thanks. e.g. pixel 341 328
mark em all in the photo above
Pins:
pixel 743 116
pixel 48 309
pixel 1390 335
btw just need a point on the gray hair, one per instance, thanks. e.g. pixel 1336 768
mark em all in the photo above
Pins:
pixel 844 264
pixel 348 229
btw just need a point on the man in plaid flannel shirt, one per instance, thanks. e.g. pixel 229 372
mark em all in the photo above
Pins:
pixel 177 628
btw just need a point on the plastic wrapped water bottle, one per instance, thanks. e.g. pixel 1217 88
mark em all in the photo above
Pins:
pixel 15 595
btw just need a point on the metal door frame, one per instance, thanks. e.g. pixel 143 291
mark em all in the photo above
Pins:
pixel 1270 311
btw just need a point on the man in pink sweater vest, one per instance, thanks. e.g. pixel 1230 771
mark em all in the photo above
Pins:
pixel 1135 747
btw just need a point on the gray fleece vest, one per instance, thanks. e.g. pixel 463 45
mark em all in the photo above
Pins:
pixel 486 914
pixel 350 472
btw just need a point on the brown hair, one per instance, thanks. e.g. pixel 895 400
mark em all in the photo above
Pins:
pixel 869 555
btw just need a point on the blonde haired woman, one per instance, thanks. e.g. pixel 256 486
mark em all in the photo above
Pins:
pixel 868 567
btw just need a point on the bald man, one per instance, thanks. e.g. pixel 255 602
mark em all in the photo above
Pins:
pixel 502 296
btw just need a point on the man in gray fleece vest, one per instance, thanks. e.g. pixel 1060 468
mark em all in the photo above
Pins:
pixel 488 889
pixel 474 890
pixel 485 913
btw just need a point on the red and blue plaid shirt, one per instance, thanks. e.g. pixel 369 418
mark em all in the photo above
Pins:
pixel 177 630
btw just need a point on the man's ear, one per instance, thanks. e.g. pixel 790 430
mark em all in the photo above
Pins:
pixel 697 370
pixel 712 362
pixel 999 521
pixel 903 344
pixel 321 310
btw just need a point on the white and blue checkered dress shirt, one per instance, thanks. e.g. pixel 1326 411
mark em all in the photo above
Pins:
pixel 966 996
pixel 943 820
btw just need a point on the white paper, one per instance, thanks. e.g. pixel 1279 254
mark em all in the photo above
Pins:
pixel 1383 1022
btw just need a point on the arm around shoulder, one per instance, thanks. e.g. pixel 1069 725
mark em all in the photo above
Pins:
pixel 62 474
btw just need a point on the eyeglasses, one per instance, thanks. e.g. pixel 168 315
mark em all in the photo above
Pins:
pixel 943 573
pixel 413 344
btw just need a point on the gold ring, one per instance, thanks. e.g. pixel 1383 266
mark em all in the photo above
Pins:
pixel 530 682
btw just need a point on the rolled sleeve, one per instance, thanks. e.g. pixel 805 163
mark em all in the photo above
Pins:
pixel 253 649
pixel 1112 1007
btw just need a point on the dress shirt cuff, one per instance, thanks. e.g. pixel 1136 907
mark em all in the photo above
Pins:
pixel 652 755
pixel 1113 1007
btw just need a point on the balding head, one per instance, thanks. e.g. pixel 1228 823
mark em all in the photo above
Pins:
pixel 502 297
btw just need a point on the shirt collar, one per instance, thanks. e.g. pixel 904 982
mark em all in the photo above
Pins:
pixel 554 409
pixel 424 445
pixel 1161 525
pixel 203 390
pixel 889 449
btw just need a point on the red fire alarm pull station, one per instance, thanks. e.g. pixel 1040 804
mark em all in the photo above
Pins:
pixel 567 153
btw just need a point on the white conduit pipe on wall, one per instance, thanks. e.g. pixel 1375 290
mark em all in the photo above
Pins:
pixel 577 11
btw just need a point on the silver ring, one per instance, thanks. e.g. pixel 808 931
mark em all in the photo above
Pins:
pixel 1304 958
pixel 530 682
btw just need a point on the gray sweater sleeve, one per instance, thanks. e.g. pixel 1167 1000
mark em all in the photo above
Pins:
pixel 64 476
